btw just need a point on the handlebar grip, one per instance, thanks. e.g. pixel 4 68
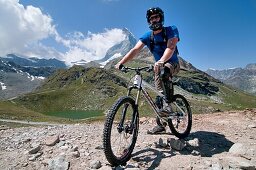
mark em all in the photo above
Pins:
pixel 121 66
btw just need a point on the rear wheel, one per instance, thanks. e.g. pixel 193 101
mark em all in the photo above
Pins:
pixel 180 122
pixel 120 131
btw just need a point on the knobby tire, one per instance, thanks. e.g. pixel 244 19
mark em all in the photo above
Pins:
pixel 183 103
pixel 112 158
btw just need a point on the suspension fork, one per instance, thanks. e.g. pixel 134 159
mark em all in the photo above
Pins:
pixel 134 115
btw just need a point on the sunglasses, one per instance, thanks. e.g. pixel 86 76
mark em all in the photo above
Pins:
pixel 154 17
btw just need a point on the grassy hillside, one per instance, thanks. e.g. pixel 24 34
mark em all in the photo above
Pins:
pixel 75 93
pixel 79 93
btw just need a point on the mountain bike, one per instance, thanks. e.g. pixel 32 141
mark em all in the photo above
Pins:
pixel 122 122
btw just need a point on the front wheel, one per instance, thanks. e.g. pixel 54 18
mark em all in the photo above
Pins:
pixel 120 131
pixel 180 122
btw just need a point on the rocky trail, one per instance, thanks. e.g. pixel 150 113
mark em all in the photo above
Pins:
pixel 224 140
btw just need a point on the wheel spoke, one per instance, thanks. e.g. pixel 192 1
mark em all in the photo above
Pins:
pixel 181 123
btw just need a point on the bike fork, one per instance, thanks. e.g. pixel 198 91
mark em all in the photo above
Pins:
pixel 129 129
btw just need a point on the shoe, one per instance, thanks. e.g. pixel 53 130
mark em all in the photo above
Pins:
pixel 156 130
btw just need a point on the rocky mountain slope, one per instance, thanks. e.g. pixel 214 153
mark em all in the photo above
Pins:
pixel 19 75
pixel 33 62
pixel 241 78
pixel 224 140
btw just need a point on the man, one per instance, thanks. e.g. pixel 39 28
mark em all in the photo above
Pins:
pixel 162 43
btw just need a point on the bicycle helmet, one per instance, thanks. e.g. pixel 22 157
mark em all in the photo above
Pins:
pixel 155 25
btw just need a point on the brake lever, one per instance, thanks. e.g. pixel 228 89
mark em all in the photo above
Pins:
pixel 150 68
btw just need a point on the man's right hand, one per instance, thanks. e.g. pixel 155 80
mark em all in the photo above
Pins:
pixel 119 66
pixel 157 66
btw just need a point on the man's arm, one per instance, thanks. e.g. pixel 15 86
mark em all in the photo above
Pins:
pixel 131 54
pixel 171 45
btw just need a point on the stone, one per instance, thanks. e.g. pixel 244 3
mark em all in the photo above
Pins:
pixel 238 148
pixel 58 163
pixel 95 164
pixel 35 149
pixel 252 126
pixel 194 142
pixel 52 140
pixel 75 154
pixel 176 144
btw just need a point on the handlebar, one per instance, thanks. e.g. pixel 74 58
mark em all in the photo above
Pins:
pixel 136 69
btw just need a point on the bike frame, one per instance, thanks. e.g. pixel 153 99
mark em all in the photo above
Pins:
pixel 139 85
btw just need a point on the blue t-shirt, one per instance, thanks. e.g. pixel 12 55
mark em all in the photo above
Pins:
pixel 159 45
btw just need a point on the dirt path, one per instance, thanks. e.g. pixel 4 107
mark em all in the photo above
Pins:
pixel 28 122
pixel 225 140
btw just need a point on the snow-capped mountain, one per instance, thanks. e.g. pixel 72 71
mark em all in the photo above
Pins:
pixel 119 49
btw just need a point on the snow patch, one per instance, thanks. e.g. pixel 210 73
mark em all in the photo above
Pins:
pixel 40 77
pixel 111 58
pixel 3 87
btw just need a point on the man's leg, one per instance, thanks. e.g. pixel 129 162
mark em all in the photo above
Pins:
pixel 159 128
pixel 172 70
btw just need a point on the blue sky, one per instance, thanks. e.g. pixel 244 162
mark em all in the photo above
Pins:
pixel 216 34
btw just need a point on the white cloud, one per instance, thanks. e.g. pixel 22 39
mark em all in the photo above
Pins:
pixel 23 28
pixel 20 26
pixel 39 50
pixel 90 47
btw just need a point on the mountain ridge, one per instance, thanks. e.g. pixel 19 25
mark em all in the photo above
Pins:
pixel 20 75
pixel 240 78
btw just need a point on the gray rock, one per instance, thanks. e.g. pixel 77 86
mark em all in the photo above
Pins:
pixel 58 163
pixel 35 149
pixel 252 126
pixel 75 148
pixel 75 154
pixel 194 142
pixel 33 157
pixel 95 164
pixel 161 143
pixel 176 144
pixel 106 167
pixel 52 140
pixel 240 163
pixel 238 148
pixel 216 166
